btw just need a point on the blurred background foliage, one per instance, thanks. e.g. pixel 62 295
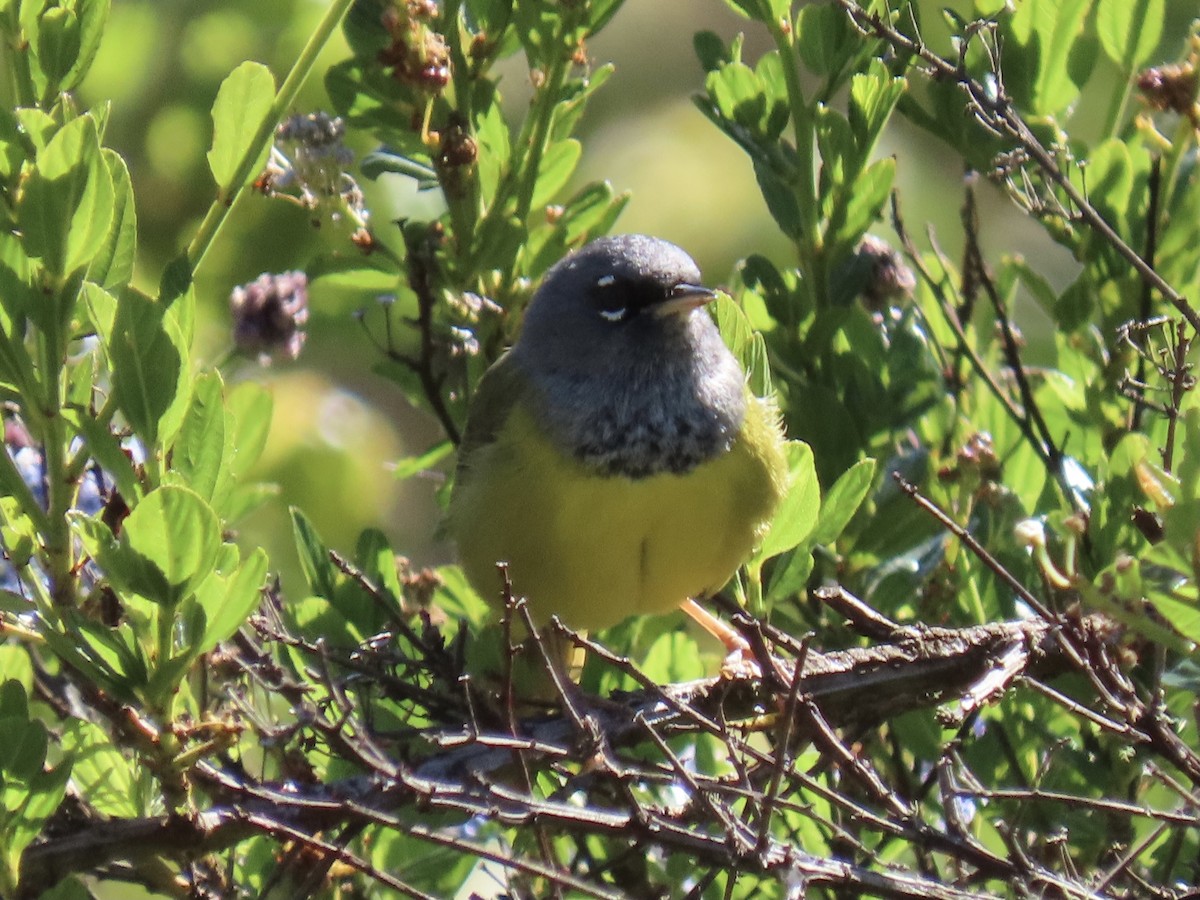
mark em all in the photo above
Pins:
pixel 337 425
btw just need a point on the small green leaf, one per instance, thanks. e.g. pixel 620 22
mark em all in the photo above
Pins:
pixel 780 199
pixel 824 37
pixel 1183 617
pixel 251 406
pixel 58 42
pixel 67 205
pixel 203 448
pixel 13 147
pixel 1056 60
pixel 388 162
pixel 149 359
pixel 558 164
pixel 93 15
pixel 106 449
pixel 797 514
pixel 45 793
pixel 673 658
pixel 170 543
pixel 314 556
pixel 241 107
pixel 843 500
pixel 871 190
pixel 738 95
pixel 233 606
pixel 710 50
pixel 112 265
pixel 101 773
pixel 495 146
pixel 414 465
pixel 735 328
pixel 873 96
pixel 1129 30
pixel 377 560
pixel 24 752
pixel 14 702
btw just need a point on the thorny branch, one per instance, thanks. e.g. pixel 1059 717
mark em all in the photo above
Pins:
pixel 723 823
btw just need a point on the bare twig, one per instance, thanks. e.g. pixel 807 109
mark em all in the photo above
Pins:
pixel 993 109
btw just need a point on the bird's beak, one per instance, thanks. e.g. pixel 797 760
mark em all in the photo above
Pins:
pixel 683 299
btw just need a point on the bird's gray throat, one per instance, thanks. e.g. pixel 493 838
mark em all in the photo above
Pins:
pixel 655 413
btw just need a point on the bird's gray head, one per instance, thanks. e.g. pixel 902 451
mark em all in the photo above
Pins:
pixel 612 288
pixel 631 372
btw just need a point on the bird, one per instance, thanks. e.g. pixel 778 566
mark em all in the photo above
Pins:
pixel 615 458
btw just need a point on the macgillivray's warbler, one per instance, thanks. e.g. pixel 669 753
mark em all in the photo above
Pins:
pixel 615 458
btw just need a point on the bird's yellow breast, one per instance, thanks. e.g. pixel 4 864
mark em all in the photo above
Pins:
pixel 595 549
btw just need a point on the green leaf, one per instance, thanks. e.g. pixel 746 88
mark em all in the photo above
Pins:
pixel 738 94
pixel 58 42
pixel 106 449
pixel 233 606
pixel 865 202
pixel 203 447
pixel 673 658
pixel 780 199
pixel 1183 617
pixel 870 192
pixel 388 162
pixel 169 543
pixel 13 147
pixel 251 406
pixel 797 514
pixel 842 501
pixel 149 359
pixel 100 773
pixel 24 752
pixel 37 126
pixel 824 37
pixel 735 328
pixel 495 147
pixel 710 50
pixel 314 556
pixel 377 560
pixel 558 164
pixel 873 96
pixel 1129 30
pixel 1108 179
pixel 67 205
pixel 112 265
pixel 93 15
pixel 414 465
pixel 1056 60
pixel 46 792
pixel 241 107
pixel 14 702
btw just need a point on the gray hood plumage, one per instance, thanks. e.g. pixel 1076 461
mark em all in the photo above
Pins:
pixel 624 387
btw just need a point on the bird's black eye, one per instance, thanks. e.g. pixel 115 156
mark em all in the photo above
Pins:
pixel 620 299
pixel 611 301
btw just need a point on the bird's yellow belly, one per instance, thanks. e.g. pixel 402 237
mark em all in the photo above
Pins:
pixel 597 549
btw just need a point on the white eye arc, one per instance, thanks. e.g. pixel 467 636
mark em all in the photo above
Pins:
pixel 612 315
pixel 606 281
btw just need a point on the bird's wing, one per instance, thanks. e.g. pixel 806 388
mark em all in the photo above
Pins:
pixel 497 393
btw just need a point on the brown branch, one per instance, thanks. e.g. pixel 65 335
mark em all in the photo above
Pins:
pixel 995 112
pixel 853 688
